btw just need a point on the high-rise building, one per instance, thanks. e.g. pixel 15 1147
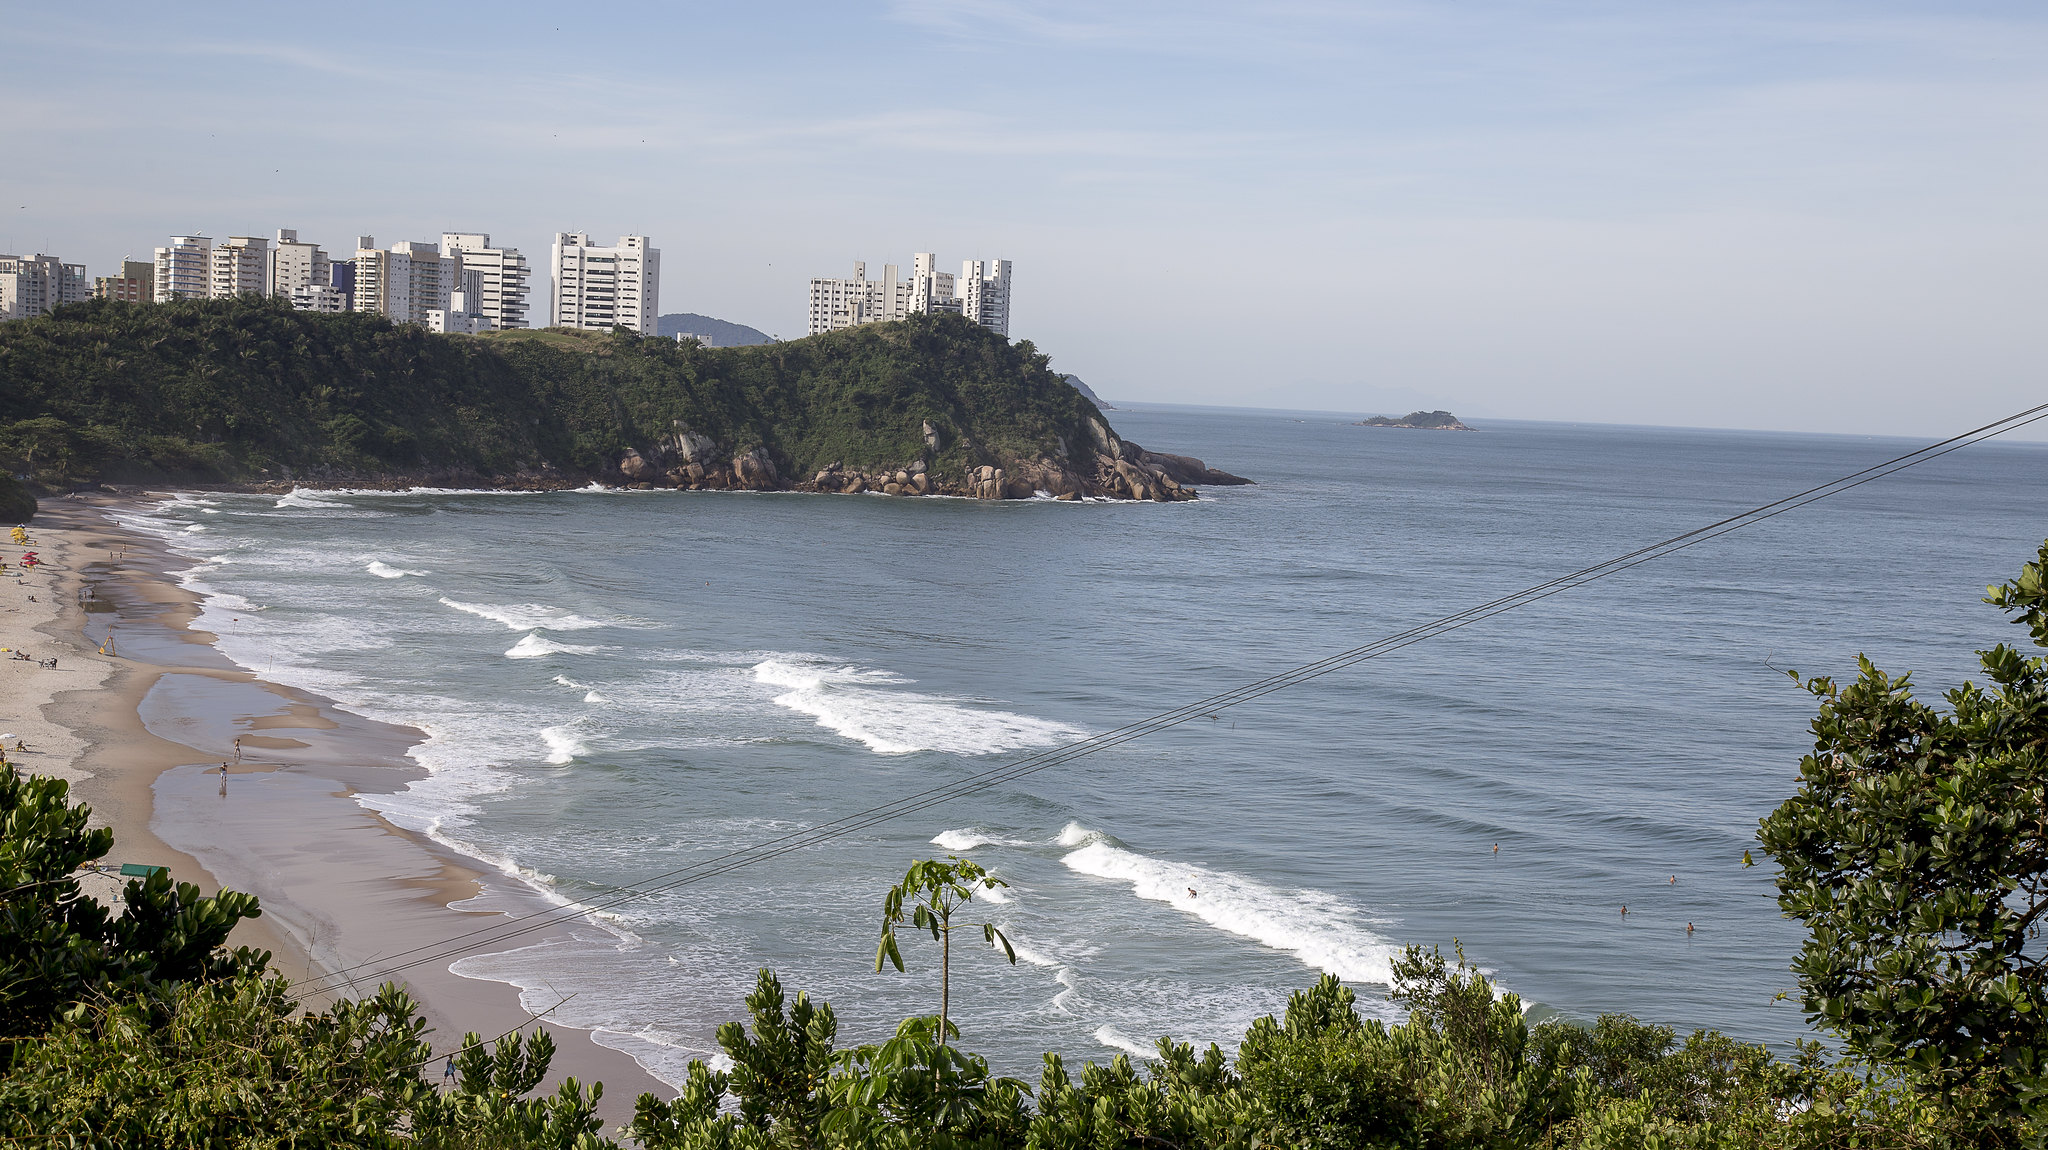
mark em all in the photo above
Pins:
pixel 32 285
pixel 837 304
pixel 135 284
pixel 405 283
pixel 602 288
pixel 344 280
pixel 498 291
pixel 932 289
pixel 324 298
pixel 981 293
pixel 184 270
pixel 459 318
pixel 296 268
pixel 239 265
pixel 985 294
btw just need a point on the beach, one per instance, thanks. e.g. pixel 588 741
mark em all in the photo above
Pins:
pixel 141 734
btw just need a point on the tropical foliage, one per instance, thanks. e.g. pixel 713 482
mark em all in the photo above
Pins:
pixel 1913 852
pixel 249 389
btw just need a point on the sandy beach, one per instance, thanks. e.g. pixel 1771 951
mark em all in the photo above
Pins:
pixel 142 733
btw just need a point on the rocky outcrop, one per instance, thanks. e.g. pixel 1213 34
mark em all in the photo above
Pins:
pixel 1188 469
pixel 1116 469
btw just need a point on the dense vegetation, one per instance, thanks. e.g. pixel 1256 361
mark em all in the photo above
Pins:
pixel 248 389
pixel 1914 852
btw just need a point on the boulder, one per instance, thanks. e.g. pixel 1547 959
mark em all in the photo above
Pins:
pixel 892 489
pixel 754 470
pixel 690 446
pixel 636 467
pixel 931 435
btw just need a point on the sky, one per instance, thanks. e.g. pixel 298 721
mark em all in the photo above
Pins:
pixel 1789 216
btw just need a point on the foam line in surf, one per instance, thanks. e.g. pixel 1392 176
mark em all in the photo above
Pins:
pixel 866 706
pixel 968 838
pixel 1315 927
pixel 525 616
pixel 383 570
pixel 536 647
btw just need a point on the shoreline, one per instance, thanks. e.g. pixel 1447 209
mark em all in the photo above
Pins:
pixel 340 885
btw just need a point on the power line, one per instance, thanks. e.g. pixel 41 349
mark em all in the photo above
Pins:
pixel 768 849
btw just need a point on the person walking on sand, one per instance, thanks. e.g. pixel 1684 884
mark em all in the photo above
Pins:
pixel 238 751
pixel 223 780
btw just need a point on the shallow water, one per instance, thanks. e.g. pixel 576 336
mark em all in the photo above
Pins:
pixel 617 684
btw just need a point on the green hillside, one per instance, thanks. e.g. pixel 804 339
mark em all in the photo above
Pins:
pixel 250 391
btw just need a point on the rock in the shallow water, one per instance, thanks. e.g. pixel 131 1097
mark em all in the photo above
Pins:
pixel 1186 468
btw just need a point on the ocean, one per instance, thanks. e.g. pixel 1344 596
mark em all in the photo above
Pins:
pixel 615 684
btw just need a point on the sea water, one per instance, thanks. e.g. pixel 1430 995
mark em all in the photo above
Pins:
pixel 615 685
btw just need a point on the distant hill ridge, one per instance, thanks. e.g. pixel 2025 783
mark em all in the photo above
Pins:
pixel 250 392
pixel 723 333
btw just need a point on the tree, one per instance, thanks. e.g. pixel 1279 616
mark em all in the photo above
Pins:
pixel 1916 853
pixel 59 946
pixel 936 889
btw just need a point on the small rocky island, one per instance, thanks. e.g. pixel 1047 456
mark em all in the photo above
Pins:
pixel 1418 421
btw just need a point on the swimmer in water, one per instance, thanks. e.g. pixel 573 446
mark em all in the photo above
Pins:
pixel 1688 930
pixel 1624 910
pixel 1674 880
pixel 1496 848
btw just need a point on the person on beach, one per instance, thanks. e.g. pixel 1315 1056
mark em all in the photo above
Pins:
pixel 238 751
pixel 223 780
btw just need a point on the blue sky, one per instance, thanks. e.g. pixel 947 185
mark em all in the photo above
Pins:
pixel 1807 216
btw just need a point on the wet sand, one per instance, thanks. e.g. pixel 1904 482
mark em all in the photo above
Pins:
pixel 348 897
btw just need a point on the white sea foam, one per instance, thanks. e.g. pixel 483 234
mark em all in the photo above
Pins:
pixel 860 705
pixel 1116 1039
pixel 1076 835
pixel 563 745
pixel 526 616
pixel 968 838
pixel 300 497
pixel 535 647
pixel 383 570
pixel 1317 928
pixel 594 697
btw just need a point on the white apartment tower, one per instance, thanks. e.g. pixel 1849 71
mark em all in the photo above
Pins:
pixel 32 285
pixel 405 283
pixel 298 268
pixel 495 278
pixel 985 294
pixel 184 270
pixel 837 304
pixel 238 265
pixel 981 293
pixel 602 288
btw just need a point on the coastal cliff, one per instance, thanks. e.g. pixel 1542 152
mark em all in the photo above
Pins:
pixel 248 392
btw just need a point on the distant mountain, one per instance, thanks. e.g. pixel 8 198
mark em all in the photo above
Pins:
pixel 1087 391
pixel 721 333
